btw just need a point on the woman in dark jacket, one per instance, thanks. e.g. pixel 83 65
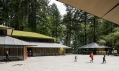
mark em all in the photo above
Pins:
pixel 7 56
pixel 104 60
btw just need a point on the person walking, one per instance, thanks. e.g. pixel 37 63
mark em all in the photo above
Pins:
pixel 29 53
pixel 7 56
pixel 104 60
pixel 91 56
pixel 75 59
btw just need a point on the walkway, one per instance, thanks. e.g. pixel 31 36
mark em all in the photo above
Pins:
pixel 62 63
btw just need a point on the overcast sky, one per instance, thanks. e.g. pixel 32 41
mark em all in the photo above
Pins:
pixel 61 7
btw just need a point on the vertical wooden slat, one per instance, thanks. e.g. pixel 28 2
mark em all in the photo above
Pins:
pixel 25 52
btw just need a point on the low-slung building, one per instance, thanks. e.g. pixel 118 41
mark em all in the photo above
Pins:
pixel 17 48
pixel 47 48
pixel 19 43
pixel 93 47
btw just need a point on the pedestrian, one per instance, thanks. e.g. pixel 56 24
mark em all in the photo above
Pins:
pixel 29 53
pixel 91 56
pixel 104 60
pixel 7 56
pixel 75 59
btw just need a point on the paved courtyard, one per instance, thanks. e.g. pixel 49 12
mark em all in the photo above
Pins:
pixel 62 63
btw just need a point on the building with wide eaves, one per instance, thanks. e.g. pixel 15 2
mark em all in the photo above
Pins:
pixel 19 43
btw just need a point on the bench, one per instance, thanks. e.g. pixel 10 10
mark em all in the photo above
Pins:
pixel 12 58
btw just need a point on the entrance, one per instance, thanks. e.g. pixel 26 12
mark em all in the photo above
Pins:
pixel 29 52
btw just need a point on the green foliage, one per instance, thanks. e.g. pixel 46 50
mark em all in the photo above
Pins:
pixel 102 42
pixel 62 51
pixel 116 29
pixel 112 38
pixel 74 29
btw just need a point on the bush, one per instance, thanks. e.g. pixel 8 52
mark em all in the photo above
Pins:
pixel 62 51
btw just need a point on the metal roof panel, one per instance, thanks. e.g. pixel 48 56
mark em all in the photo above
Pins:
pixel 6 40
pixel 48 45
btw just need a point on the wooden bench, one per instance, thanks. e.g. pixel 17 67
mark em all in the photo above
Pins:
pixel 12 58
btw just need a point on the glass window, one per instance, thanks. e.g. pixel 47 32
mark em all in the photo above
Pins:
pixel 3 32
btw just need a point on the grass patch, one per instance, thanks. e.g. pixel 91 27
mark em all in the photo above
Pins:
pixel 1 26
pixel 30 34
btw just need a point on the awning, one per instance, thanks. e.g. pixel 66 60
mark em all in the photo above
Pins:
pixel 6 40
pixel 107 9
pixel 48 45
pixel 92 45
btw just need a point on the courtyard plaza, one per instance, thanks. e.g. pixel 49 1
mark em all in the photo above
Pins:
pixel 63 63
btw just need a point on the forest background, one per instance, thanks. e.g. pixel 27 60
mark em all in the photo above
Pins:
pixel 75 28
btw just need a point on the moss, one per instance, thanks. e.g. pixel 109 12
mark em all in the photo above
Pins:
pixel 1 26
pixel 27 34
pixel 30 34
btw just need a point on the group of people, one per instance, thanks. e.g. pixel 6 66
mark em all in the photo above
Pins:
pixel 92 57
pixel 29 55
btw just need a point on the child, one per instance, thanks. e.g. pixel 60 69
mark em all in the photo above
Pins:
pixel 75 58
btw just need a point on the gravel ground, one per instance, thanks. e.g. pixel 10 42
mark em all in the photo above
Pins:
pixel 62 63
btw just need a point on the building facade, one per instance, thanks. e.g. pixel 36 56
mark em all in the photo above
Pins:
pixel 20 43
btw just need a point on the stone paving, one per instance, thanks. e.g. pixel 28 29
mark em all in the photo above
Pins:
pixel 62 63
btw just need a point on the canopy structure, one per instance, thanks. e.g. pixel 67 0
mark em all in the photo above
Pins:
pixel 107 9
pixel 92 45
pixel 6 40
pixel 48 45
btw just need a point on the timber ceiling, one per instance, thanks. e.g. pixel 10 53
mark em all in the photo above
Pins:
pixel 107 9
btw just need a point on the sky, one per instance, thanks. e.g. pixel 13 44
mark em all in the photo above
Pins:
pixel 61 7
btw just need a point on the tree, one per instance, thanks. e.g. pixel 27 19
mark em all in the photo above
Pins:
pixel 55 20
pixel 111 39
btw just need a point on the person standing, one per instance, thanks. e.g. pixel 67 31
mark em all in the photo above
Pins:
pixel 91 56
pixel 29 53
pixel 104 60
pixel 7 56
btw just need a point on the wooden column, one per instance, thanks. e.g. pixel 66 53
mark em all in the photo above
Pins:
pixel 25 52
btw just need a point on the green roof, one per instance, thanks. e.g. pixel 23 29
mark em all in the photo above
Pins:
pixel 1 26
pixel 30 34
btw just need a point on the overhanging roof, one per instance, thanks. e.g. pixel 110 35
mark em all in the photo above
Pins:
pixel 107 9
pixel 92 45
pixel 48 45
pixel 6 40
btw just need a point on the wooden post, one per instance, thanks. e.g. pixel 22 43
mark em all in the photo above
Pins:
pixel 25 52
